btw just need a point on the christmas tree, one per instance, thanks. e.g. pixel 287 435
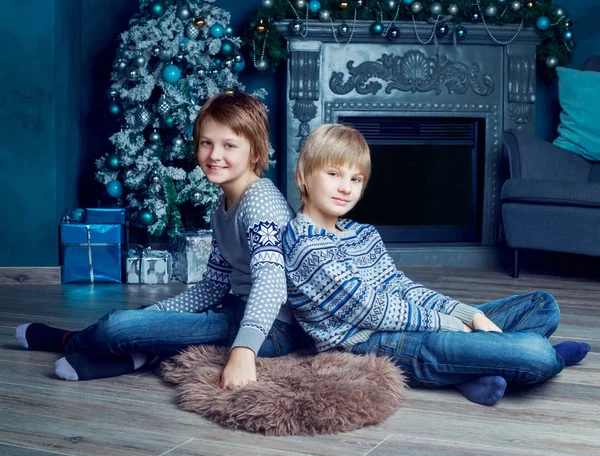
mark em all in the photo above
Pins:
pixel 175 55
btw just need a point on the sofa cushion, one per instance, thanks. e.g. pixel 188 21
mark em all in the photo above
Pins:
pixel 580 102
pixel 585 194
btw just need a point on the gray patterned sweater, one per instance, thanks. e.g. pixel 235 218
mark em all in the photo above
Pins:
pixel 246 259
pixel 345 286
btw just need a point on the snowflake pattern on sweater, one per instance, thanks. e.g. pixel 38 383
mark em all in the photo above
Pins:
pixel 345 286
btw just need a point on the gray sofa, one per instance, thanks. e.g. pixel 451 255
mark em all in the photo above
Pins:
pixel 552 199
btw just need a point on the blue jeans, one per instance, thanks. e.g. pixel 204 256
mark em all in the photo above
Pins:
pixel 164 334
pixel 520 354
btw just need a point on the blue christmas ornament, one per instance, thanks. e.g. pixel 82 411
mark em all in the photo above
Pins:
pixel 146 217
pixel 190 131
pixel 376 28
pixel 217 30
pixel 184 41
pixel 314 6
pixel 239 66
pixel 171 74
pixel 114 108
pixel 169 121
pixel 227 47
pixel 568 35
pixel 408 2
pixel 542 23
pixel 78 215
pixel 112 162
pixel 156 8
pixel 461 32
pixel 114 188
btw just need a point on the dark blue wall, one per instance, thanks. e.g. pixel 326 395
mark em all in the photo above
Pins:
pixel 55 60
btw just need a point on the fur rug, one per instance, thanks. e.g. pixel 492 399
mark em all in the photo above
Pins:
pixel 301 395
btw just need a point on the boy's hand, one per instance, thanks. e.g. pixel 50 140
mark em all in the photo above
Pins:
pixel 240 369
pixel 481 322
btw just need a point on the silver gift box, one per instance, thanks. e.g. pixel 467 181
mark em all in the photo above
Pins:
pixel 190 250
pixel 148 266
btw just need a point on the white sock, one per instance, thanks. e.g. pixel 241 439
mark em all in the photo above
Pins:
pixel 138 360
pixel 20 335
pixel 64 370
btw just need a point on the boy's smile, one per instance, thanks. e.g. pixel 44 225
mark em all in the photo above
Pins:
pixel 224 157
pixel 332 192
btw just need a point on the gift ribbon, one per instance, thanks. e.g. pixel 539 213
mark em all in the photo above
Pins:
pixel 89 244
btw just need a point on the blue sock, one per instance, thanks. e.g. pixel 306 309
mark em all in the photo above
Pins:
pixel 485 390
pixel 572 352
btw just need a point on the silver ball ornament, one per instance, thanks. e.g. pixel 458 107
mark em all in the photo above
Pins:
pixel 196 196
pixel 435 8
pixel 154 137
pixel 261 65
pixel 155 178
pixel 112 93
pixel 142 117
pixel 178 58
pixel 491 10
pixel 393 33
pixel 301 3
pixel 416 7
pixel 559 12
pixel 191 31
pixel 164 55
pixel 133 74
pixel 155 51
pixel 268 3
pixel 183 12
pixel 200 72
pixel 296 26
pixel 178 141
pixel 551 62
pixel 343 29
pixel 139 61
pixel 453 10
pixel 238 58
pixel 324 15
pixel 359 4
pixel 515 6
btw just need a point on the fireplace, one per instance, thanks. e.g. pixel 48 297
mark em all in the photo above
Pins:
pixel 424 108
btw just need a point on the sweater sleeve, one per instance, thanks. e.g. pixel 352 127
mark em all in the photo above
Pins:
pixel 331 280
pixel 419 295
pixel 269 291
pixel 208 292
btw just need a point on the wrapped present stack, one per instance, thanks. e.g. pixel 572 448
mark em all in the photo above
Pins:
pixel 92 243
pixel 145 265
pixel 190 250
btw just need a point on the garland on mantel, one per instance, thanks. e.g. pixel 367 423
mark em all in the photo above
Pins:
pixel 268 48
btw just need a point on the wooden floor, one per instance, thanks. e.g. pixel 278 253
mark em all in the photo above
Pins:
pixel 137 415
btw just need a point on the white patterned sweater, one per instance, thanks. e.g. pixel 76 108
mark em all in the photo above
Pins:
pixel 246 258
pixel 345 286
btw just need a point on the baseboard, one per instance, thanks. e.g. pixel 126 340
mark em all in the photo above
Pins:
pixel 30 276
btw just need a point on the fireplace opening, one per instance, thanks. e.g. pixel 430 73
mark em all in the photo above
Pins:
pixel 427 178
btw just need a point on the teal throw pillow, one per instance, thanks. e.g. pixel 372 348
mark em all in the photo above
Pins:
pixel 579 96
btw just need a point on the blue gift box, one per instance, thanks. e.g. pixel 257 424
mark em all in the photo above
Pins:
pixel 91 252
pixel 101 215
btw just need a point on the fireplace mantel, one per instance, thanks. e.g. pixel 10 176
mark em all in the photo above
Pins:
pixel 478 77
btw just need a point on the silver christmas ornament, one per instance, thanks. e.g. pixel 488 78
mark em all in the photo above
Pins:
pixel 359 4
pixel 261 65
pixel 229 63
pixel 178 58
pixel 416 7
pixel 453 10
pixel 393 33
pixel 155 51
pixel 120 65
pixel 177 141
pixel 301 3
pixel 155 178
pixel 267 3
pixel 200 72
pixel 324 15
pixel 191 31
pixel 112 93
pixel 491 10
pixel 133 74
pixel 196 196
pixel 163 106
pixel 551 62
pixel 139 61
pixel 515 6
pixel 164 55
pixel 436 8
pixel 296 26
pixel 343 29
pixel 154 137
pixel 239 58
pixel 559 12
pixel 183 12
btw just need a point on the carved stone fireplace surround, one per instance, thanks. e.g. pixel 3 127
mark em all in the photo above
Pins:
pixel 372 76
